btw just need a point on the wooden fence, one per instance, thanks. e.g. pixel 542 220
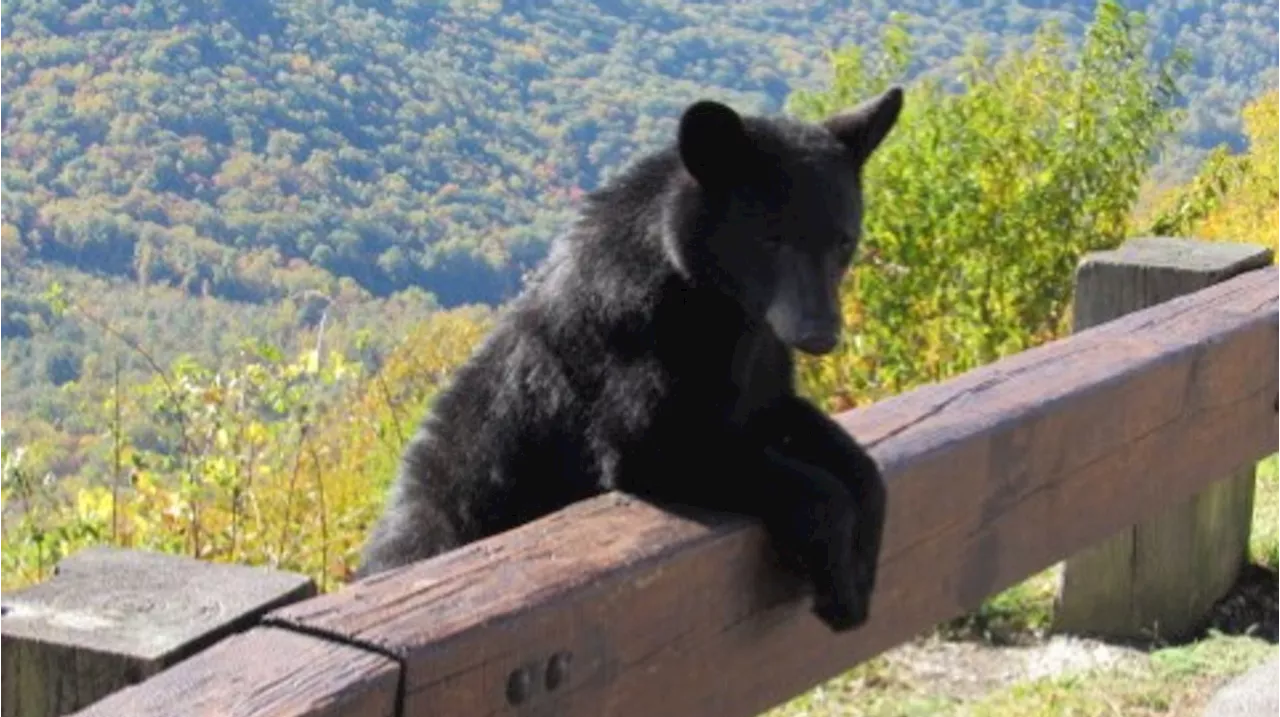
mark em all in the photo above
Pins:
pixel 615 607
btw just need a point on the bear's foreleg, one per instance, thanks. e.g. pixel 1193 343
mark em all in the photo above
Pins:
pixel 799 431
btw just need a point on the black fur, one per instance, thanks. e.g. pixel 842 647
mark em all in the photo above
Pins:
pixel 652 354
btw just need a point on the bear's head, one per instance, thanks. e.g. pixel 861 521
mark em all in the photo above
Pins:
pixel 770 210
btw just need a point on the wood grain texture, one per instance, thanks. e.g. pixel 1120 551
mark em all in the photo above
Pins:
pixel 1162 575
pixel 265 672
pixel 1147 271
pixel 110 617
pixel 992 476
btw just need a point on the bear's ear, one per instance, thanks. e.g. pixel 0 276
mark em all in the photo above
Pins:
pixel 862 128
pixel 713 143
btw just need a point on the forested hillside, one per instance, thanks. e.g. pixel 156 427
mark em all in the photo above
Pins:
pixel 294 171
pixel 249 149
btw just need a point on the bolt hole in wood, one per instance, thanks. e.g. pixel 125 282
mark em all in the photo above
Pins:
pixel 520 682
pixel 558 670
pixel 519 685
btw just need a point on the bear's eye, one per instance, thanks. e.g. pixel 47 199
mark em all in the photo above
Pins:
pixel 773 241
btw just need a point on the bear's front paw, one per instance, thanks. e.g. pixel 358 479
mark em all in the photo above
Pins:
pixel 842 589
pixel 840 614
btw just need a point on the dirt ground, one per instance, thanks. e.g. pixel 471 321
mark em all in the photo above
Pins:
pixel 966 670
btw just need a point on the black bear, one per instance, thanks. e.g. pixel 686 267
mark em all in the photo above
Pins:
pixel 651 354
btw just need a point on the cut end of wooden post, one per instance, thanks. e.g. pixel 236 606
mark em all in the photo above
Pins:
pixel 109 617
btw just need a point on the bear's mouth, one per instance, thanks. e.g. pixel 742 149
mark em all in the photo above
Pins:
pixel 817 344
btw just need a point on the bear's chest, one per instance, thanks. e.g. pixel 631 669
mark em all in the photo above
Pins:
pixel 730 381
pixel 717 365
pixel 760 371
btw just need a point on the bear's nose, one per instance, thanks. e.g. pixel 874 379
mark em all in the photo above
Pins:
pixel 817 341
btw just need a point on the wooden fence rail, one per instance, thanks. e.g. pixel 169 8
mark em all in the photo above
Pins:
pixel 616 607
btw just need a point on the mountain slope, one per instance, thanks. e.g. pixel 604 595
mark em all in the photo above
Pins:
pixel 249 149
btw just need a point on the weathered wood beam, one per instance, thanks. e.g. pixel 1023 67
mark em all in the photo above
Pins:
pixel 265 672
pixel 615 607
pixel 992 477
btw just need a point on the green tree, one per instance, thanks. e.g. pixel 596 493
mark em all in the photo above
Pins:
pixel 983 198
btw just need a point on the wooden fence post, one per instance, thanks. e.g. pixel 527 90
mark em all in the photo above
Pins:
pixel 1160 577
pixel 111 617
